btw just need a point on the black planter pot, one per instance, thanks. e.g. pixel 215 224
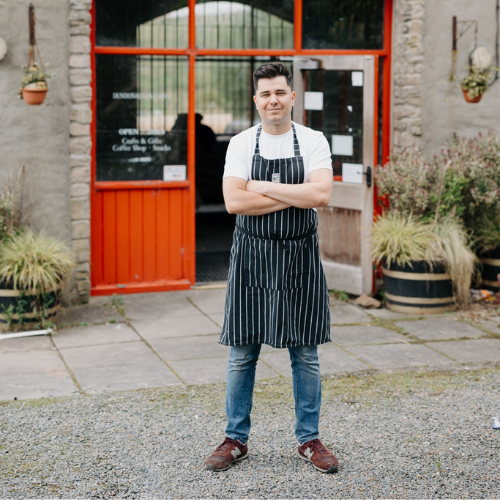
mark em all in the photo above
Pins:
pixel 490 262
pixel 418 289
pixel 17 308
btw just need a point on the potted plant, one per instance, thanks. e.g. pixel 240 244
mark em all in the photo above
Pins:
pixel 427 265
pixel 34 84
pixel 420 239
pixel 475 84
pixel 32 269
pixel 476 195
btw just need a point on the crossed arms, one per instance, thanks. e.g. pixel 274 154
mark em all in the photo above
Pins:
pixel 262 197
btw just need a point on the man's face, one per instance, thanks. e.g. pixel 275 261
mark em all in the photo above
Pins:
pixel 274 100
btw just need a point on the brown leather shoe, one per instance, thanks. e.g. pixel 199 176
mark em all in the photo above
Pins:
pixel 314 451
pixel 226 454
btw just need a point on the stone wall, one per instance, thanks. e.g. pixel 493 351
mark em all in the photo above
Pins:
pixel 80 76
pixel 408 65
pixel 444 110
pixel 37 136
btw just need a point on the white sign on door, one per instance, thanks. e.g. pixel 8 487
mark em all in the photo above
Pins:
pixel 352 173
pixel 357 78
pixel 313 101
pixel 174 172
pixel 342 145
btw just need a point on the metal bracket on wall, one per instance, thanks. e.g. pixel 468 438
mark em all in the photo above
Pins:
pixel 460 28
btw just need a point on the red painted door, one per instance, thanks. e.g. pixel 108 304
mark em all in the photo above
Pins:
pixel 142 203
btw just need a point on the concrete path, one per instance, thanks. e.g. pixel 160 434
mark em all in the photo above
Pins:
pixel 160 339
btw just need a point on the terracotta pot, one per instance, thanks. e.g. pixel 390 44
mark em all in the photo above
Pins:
pixel 475 99
pixel 34 97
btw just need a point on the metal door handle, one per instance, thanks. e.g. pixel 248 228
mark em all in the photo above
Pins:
pixel 368 174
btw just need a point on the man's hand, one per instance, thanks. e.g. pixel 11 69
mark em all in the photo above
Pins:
pixel 242 202
pixel 312 194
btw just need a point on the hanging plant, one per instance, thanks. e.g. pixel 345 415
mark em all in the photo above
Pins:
pixel 34 86
pixel 476 83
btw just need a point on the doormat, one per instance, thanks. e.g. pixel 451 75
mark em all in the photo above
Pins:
pixel 212 266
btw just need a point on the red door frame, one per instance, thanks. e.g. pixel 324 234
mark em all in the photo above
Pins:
pixel 191 52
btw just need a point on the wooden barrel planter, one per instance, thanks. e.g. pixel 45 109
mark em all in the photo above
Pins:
pixel 418 289
pixel 490 263
pixel 17 308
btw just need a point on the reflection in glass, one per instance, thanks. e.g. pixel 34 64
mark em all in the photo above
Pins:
pixel 342 112
pixel 343 24
pixel 224 108
pixel 141 116
pixel 142 23
pixel 219 24
pixel 242 25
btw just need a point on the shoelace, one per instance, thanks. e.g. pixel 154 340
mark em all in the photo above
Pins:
pixel 317 445
pixel 227 443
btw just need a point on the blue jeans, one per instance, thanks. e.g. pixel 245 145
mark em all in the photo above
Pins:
pixel 306 390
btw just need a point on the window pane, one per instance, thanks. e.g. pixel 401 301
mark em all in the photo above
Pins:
pixel 141 120
pixel 224 108
pixel 343 24
pixel 243 25
pixel 142 23
pixel 342 113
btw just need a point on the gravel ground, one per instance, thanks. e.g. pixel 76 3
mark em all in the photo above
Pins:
pixel 417 434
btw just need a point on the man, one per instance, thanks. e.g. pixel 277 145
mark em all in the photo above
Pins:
pixel 276 173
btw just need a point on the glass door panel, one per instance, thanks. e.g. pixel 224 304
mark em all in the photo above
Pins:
pixel 343 24
pixel 141 116
pixel 142 23
pixel 244 25
pixel 341 116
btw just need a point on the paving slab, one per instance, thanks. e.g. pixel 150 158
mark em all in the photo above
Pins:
pixel 365 334
pixel 12 363
pixel 492 323
pixel 209 301
pixel 37 385
pixel 384 313
pixel 95 335
pixel 38 343
pixel 176 326
pixel 398 356
pixel 334 360
pixel 331 360
pixel 206 346
pixel 157 305
pixel 131 365
pixel 34 374
pixel 217 318
pixel 346 313
pixel 98 310
pixel 211 370
pixel 471 351
pixel 439 329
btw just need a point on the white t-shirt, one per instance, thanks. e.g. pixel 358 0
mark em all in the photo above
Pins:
pixel 314 148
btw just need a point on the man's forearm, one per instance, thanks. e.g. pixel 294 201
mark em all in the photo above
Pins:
pixel 307 195
pixel 248 203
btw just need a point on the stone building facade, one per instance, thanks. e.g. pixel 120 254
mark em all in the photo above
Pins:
pixel 55 141
pixel 80 77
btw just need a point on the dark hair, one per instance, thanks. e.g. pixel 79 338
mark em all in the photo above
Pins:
pixel 271 70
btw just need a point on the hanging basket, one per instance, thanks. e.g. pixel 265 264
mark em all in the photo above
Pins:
pixel 473 99
pixel 34 85
pixel 34 94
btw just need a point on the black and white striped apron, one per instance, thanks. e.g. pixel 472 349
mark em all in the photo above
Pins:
pixel 276 291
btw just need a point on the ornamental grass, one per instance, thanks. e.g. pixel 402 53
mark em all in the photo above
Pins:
pixel 34 261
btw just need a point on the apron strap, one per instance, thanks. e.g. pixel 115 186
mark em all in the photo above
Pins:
pixel 257 150
pixel 296 147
